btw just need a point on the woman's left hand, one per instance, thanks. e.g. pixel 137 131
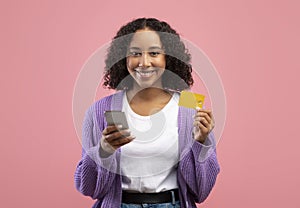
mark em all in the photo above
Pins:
pixel 203 124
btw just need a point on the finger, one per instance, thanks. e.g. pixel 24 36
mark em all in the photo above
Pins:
pixel 205 122
pixel 110 129
pixel 208 111
pixel 116 135
pixel 122 141
pixel 203 129
pixel 205 115
pixel 210 114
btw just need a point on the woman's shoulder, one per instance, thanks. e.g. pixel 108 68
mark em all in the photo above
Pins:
pixel 108 102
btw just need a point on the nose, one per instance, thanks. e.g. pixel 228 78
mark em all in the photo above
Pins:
pixel 145 60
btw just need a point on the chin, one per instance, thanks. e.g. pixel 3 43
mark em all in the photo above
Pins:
pixel 145 85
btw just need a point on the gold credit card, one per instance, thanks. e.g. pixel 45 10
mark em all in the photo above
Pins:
pixel 191 100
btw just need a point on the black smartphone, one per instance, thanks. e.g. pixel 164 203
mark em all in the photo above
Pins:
pixel 116 118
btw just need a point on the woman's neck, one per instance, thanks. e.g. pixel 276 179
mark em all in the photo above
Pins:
pixel 148 94
pixel 148 100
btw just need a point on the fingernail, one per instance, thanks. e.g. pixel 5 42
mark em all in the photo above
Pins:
pixel 198 108
pixel 119 126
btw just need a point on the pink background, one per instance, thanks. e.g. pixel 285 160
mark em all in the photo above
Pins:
pixel 254 45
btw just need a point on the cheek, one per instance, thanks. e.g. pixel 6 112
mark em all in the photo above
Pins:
pixel 131 63
pixel 161 62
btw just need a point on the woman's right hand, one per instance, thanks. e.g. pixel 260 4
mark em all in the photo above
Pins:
pixel 114 137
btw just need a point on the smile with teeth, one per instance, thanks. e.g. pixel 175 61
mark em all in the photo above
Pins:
pixel 145 73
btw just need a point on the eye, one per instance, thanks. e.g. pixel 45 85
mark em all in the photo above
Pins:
pixel 154 53
pixel 135 53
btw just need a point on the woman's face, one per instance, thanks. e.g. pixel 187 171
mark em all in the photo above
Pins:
pixel 146 60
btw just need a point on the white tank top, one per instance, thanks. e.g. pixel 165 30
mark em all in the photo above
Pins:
pixel 149 162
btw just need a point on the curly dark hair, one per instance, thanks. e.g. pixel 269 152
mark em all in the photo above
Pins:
pixel 177 56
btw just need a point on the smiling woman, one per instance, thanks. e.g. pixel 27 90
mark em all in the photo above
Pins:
pixel 177 59
pixel 146 61
pixel 156 161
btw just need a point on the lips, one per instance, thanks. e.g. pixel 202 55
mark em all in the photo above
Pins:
pixel 145 73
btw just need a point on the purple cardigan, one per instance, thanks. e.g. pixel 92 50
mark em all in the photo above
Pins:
pixel 99 177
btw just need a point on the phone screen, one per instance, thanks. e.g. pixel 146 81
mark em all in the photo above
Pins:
pixel 116 118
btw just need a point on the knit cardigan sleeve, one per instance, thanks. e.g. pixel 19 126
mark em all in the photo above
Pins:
pixel 198 166
pixel 94 176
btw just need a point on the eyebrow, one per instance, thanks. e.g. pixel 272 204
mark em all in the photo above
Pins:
pixel 151 48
